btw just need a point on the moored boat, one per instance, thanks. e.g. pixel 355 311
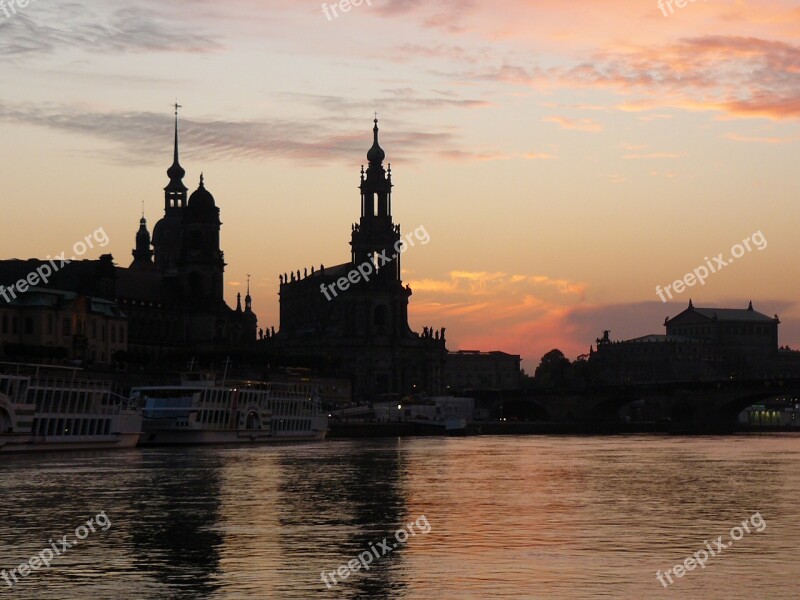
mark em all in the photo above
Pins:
pixel 200 411
pixel 48 408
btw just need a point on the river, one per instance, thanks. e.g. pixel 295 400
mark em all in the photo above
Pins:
pixel 483 517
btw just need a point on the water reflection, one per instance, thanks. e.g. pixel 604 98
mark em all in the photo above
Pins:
pixel 173 521
pixel 358 500
pixel 525 517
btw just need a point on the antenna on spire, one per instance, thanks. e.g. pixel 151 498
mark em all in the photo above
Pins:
pixel 177 106
pixel 143 209
pixel 248 284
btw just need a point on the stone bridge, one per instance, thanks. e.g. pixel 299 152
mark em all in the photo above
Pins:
pixel 687 406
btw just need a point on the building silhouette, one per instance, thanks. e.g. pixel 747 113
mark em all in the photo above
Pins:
pixel 171 295
pixel 699 344
pixel 351 319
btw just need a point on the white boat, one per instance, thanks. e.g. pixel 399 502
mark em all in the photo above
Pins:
pixel 44 408
pixel 199 411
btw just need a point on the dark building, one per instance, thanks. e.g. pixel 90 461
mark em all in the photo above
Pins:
pixel 352 319
pixel 172 293
pixel 700 344
pixel 45 323
pixel 473 369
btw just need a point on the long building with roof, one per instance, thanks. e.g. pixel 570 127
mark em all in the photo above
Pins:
pixel 699 344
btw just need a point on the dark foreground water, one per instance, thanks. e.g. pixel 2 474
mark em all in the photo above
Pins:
pixel 506 517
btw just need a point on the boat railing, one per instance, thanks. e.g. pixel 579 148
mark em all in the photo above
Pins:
pixel 107 395
pixel 71 384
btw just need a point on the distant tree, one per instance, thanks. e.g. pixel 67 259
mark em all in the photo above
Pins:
pixel 581 374
pixel 553 371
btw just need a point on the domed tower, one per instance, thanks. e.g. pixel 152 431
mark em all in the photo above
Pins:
pixel 142 254
pixel 167 232
pixel 202 263
pixel 374 236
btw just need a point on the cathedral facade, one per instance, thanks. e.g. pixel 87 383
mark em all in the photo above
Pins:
pixel 351 319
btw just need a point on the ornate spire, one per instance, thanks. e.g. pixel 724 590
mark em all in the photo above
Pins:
pixel 142 254
pixel 239 303
pixel 376 154
pixel 175 192
pixel 176 171
pixel 248 301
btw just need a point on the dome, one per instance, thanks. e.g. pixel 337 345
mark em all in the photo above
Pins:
pixel 165 232
pixel 201 197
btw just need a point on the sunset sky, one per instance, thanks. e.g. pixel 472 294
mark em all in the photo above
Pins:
pixel 565 157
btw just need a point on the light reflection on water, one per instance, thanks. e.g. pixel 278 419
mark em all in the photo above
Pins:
pixel 511 517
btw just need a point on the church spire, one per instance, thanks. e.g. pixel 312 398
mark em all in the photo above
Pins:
pixel 375 234
pixel 376 154
pixel 175 192
pixel 142 254
pixel 248 301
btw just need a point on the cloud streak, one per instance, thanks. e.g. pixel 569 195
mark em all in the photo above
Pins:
pixel 147 137
pixel 49 28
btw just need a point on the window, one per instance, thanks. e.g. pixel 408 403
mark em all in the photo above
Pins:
pixel 65 327
pixel 50 324
pixel 13 324
pixel 5 323
pixel 28 325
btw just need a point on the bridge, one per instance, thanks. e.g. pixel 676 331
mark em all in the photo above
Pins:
pixel 703 406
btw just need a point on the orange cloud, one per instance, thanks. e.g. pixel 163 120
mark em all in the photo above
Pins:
pixel 653 155
pixel 759 140
pixel 576 124
pixel 487 310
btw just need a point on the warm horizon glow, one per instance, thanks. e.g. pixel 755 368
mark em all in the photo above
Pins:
pixel 565 158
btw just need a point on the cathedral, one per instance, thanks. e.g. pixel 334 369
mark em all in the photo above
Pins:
pixel 166 306
pixel 360 330
pixel 173 293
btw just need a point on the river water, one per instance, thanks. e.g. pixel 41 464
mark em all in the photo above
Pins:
pixel 492 517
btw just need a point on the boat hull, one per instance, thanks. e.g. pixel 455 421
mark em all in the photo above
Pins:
pixel 167 437
pixel 19 443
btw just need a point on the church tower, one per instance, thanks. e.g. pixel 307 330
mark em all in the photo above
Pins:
pixel 167 232
pixel 354 325
pixel 375 237
pixel 202 264
pixel 142 254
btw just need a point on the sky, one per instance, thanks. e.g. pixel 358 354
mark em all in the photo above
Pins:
pixel 565 157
